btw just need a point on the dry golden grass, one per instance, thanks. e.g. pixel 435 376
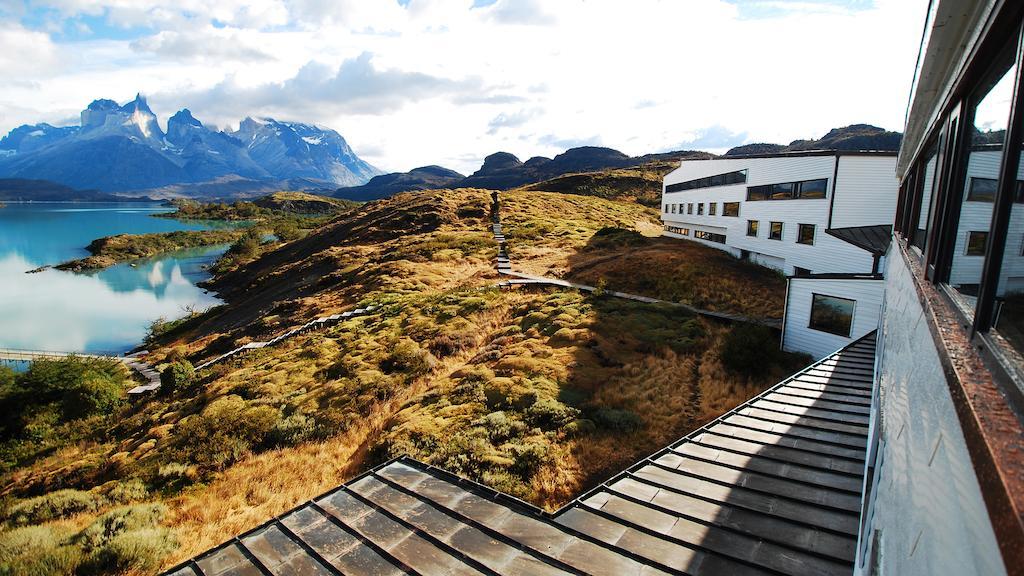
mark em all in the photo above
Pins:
pixel 537 393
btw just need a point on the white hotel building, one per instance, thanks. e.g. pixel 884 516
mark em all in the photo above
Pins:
pixel 821 217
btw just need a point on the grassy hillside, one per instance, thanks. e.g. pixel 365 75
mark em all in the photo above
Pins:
pixel 540 393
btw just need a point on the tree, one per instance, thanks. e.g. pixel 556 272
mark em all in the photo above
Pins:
pixel 179 375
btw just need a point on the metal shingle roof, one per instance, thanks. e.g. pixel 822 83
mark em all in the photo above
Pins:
pixel 771 487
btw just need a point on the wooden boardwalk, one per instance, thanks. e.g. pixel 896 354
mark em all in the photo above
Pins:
pixel 147 372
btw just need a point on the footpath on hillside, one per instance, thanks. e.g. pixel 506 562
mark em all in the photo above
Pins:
pixel 503 265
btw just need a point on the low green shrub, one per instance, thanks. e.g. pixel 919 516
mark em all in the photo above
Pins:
pixel 226 431
pixel 38 550
pixel 54 505
pixel 749 349
pixel 616 419
pixel 178 376
pixel 407 357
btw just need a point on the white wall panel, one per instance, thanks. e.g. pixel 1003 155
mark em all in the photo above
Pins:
pixel 928 506
pixel 799 337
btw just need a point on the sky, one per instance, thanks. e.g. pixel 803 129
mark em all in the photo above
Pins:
pixel 416 82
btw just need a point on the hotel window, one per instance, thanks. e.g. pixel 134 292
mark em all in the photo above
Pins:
pixel 982 190
pixel 961 206
pixel 674 208
pixel 737 177
pixel 700 209
pixel 976 243
pixel 689 208
pixel 803 190
pixel 805 234
pixel 782 191
pixel 730 209
pixel 775 231
pixel 709 236
pixel 983 155
pixel 812 188
pixel 712 208
pixel 752 228
pixel 832 314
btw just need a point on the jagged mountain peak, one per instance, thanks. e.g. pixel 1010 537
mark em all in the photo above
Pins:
pixel 122 147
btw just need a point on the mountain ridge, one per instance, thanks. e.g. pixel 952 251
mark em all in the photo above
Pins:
pixel 122 149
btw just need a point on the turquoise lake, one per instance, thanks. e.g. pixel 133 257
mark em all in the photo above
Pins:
pixel 102 312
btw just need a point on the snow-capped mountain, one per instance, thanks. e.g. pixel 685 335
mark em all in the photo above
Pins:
pixel 122 148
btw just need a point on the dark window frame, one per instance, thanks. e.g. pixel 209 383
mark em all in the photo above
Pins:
pixel 763 192
pixel 709 236
pixel 712 208
pixel 810 315
pixel 731 213
pixel 756 226
pixel 972 249
pixel 771 231
pixel 724 179
pixel 952 127
pixel 700 209
pixel 800 233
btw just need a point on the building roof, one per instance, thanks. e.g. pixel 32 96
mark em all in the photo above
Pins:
pixel 798 153
pixel 874 239
pixel 771 487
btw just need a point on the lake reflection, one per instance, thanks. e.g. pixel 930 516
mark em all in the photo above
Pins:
pixel 107 311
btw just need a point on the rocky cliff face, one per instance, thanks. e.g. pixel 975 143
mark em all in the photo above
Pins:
pixel 122 148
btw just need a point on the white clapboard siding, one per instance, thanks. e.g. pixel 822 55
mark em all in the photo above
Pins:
pixel 865 187
pixel 799 337
pixel 867 180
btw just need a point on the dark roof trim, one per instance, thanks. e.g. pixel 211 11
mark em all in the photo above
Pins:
pixel 874 239
pixel 799 153
pixel 838 276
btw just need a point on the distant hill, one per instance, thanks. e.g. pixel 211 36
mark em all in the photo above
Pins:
pixel 504 171
pixel 121 148
pixel 19 189
pixel 640 183
pixel 387 185
pixel 853 137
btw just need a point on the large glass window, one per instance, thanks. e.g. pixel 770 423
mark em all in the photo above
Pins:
pixel 804 190
pixel 812 188
pixel 709 236
pixel 985 145
pixel 737 177
pixel 775 231
pixel 928 183
pixel 982 189
pixel 730 209
pixel 832 314
pixel 752 228
pixel 783 191
pixel 805 234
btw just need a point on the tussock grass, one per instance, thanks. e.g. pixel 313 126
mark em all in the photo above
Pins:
pixel 540 394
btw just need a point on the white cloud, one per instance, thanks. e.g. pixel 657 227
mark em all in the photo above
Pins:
pixel 441 82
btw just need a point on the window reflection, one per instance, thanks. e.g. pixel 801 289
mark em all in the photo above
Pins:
pixel 928 183
pixel 1009 308
pixel 986 136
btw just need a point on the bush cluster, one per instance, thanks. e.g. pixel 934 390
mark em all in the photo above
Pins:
pixel 128 539
pixel 53 392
